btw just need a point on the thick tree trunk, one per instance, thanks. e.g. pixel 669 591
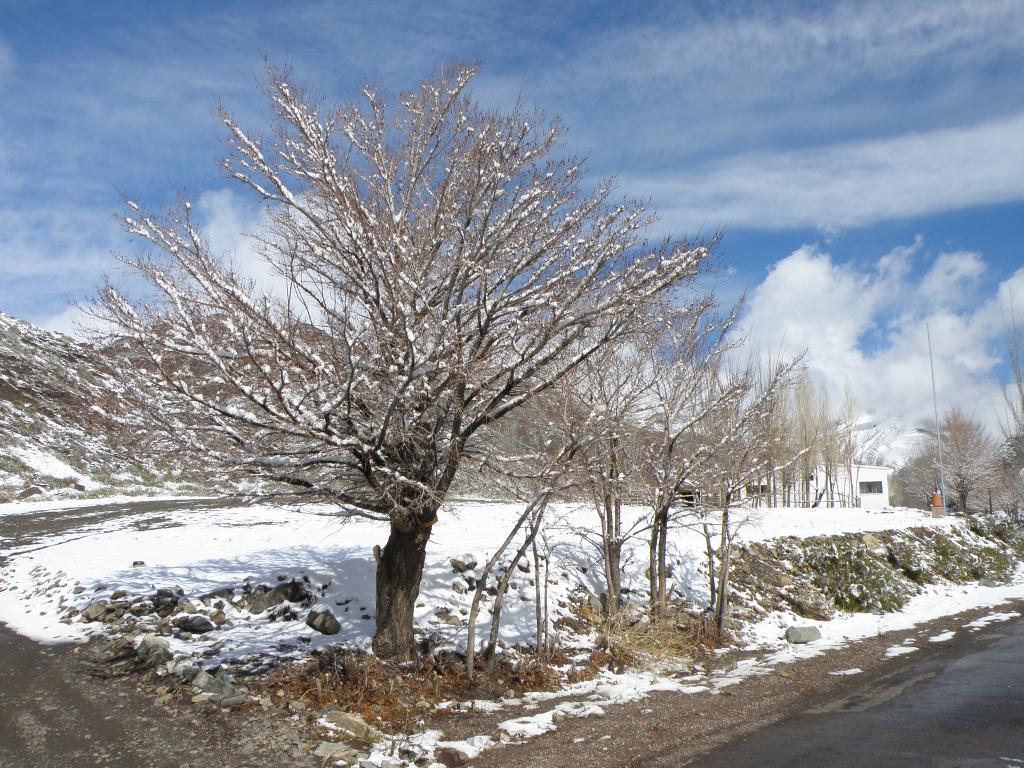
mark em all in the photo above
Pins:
pixel 399 570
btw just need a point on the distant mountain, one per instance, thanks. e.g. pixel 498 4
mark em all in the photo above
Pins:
pixel 57 434
pixel 891 443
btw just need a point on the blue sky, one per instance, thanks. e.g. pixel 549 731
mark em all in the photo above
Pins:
pixel 865 160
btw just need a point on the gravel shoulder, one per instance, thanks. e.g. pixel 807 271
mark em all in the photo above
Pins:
pixel 59 710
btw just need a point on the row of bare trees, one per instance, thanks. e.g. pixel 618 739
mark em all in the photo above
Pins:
pixel 453 299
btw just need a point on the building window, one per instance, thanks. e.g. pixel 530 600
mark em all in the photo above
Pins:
pixel 872 486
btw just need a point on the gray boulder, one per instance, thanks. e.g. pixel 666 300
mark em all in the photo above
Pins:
pixel 798 635
pixel 153 650
pixel 195 623
pixel 264 597
pixel 323 621
pixel 95 610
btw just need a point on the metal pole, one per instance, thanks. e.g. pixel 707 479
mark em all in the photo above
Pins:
pixel 938 434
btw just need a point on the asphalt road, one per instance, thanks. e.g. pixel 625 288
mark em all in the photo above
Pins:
pixel 963 707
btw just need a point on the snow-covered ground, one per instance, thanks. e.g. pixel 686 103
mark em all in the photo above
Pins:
pixel 204 550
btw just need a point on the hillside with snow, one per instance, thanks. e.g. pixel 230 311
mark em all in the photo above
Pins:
pixel 58 398
pixel 890 443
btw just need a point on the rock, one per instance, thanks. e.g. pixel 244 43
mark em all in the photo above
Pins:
pixel 264 597
pixel 989 583
pixel 153 650
pixel 95 610
pixel 461 566
pixel 195 623
pixel 28 493
pixel 141 608
pixel 329 750
pixel 119 594
pixel 352 725
pixel 451 757
pixel 219 618
pixel 323 621
pixel 165 600
pixel 216 688
pixel 798 635
pixel 871 541
pixel 78 589
pixel 138 563
pixel 183 668
pixel 459 587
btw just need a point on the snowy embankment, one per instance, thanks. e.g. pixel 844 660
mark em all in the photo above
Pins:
pixel 217 566
pixel 201 551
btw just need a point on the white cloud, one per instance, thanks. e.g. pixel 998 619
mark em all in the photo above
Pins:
pixel 852 184
pixel 866 328
pixel 764 48
pixel 953 275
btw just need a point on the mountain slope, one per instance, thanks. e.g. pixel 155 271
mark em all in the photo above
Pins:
pixel 57 436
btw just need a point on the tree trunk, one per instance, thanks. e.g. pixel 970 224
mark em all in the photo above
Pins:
pixel 722 608
pixel 399 570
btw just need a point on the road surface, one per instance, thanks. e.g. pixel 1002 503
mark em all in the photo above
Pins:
pixel 963 707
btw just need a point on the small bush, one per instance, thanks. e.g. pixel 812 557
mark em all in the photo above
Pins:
pixel 855 578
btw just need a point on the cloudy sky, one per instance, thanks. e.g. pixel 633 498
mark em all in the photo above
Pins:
pixel 864 160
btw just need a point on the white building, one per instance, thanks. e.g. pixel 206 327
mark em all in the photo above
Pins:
pixel 869 486
pixel 864 485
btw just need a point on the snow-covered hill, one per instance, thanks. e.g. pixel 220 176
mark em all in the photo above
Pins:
pixel 57 437
pixel 891 443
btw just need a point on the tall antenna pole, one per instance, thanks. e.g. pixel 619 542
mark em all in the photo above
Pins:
pixel 935 402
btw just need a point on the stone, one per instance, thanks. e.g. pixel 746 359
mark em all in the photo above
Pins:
pixel 450 757
pixel 138 563
pixel 330 750
pixel 461 566
pixel 95 610
pixel 799 635
pixel 119 594
pixel 219 618
pixel 28 493
pixel 989 583
pixel 265 597
pixel 871 541
pixel 183 668
pixel 153 650
pixel 323 621
pixel 195 623
pixel 352 725
pixel 216 688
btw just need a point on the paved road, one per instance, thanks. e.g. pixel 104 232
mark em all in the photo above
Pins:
pixel 964 707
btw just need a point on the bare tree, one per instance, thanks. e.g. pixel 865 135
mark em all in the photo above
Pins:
pixel 685 372
pixel 739 441
pixel 970 458
pixel 441 267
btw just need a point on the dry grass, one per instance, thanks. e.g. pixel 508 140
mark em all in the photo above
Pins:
pixel 631 636
pixel 395 695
